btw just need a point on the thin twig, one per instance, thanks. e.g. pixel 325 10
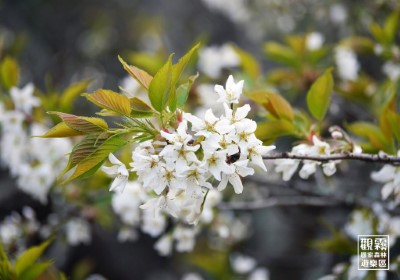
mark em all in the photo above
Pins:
pixel 380 158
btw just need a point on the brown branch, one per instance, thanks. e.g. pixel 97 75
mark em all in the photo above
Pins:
pixel 388 159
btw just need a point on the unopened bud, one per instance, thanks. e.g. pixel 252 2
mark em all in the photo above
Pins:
pixel 337 135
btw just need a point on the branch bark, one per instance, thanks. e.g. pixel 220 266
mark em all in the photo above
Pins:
pixel 378 158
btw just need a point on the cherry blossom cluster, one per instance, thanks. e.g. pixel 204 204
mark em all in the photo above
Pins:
pixel 34 162
pixel 127 206
pixel 288 167
pixel 17 229
pixel 182 172
pixel 184 162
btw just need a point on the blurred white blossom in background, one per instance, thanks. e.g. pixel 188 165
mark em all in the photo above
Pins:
pixel 213 59
pixel 347 63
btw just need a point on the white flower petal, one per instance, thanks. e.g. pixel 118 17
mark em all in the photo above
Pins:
pixel 235 181
pixel 385 174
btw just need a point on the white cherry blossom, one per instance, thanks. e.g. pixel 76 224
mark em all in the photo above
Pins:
pixel 242 264
pixel 255 151
pixel 185 238
pixel 241 169
pixel 118 169
pixel 78 231
pixel 164 245
pixel 215 163
pixel 235 116
pixel 231 93
pixel 153 225
pixel 210 124
pixel 212 60
pixel 390 175
pixel 23 98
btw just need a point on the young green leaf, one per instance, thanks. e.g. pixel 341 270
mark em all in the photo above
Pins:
pixel 138 104
pixel 182 92
pixel 110 100
pixel 394 122
pixel 249 63
pixel 6 272
pixel 378 33
pixel 179 67
pixel 147 61
pixel 9 73
pixel 29 257
pixel 371 132
pixel 319 95
pixel 141 76
pixel 269 131
pixel 390 26
pixel 3 256
pixel 84 149
pixel 140 109
pixel 86 125
pixel 70 93
pixel 274 103
pixel 339 243
pixel 281 54
pixel 61 130
pixel 177 70
pixel 91 163
pixel 160 86
pixel 35 270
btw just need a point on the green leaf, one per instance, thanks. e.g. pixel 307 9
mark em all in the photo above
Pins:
pixel 141 76
pixel 85 125
pixel 338 243
pixel 29 257
pixel 182 92
pixel 138 104
pixel 378 33
pixel 394 123
pixel 9 73
pixel 249 63
pixel 3 256
pixel 140 109
pixel 281 54
pixel 110 100
pixel 371 132
pixel 319 95
pixel 61 130
pixel 107 113
pixel 297 44
pixel 160 86
pixel 84 149
pixel 70 93
pixel 177 70
pixel 274 103
pixel 34 271
pixel 359 44
pixel 140 114
pixel 6 272
pixel 390 27
pixel 269 131
pixel 147 61
pixel 91 163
